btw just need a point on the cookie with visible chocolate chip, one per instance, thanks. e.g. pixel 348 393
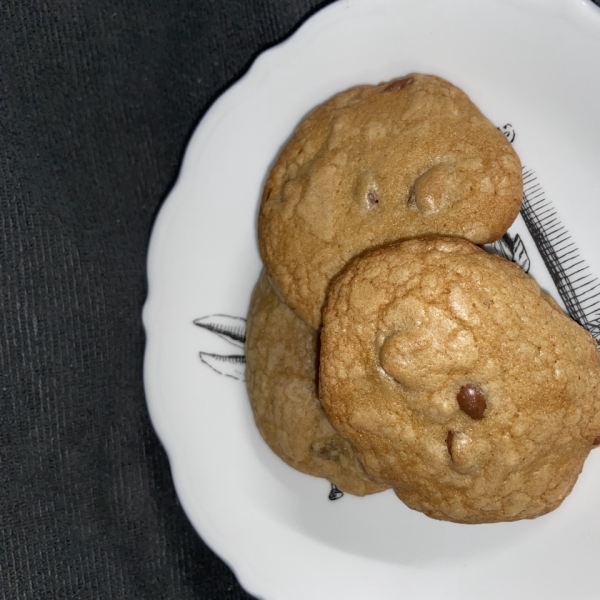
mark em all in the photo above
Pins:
pixel 459 382
pixel 281 363
pixel 377 164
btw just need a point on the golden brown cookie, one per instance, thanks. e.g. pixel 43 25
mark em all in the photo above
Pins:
pixel 281 363
pixel 459 381
pixel 376 164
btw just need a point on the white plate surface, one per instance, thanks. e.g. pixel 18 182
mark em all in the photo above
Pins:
pixel 532 64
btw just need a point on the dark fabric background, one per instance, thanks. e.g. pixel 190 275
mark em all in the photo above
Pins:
pixel 98 99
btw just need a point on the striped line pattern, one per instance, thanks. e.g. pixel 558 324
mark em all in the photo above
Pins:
pixel 577 286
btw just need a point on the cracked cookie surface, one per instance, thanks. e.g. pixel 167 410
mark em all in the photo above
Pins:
pixel 376 164
pixel 460 383
pixel 281 376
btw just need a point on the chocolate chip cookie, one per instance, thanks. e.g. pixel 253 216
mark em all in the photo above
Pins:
pixel 376 164
pixel 281 369
pixel 458 381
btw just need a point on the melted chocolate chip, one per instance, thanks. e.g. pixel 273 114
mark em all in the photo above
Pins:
pixel 328 450
pixel 398 84
pixel 596 441
pixel 471 400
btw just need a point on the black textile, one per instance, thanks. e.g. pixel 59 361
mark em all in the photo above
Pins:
pixel 97 102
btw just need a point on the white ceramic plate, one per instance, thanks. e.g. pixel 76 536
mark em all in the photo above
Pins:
pixel 532 64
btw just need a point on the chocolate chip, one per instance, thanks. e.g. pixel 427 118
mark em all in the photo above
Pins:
pixel 366 190
pixel 471 400
pixel 398 84
pixel 372 198
pixel 596 441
